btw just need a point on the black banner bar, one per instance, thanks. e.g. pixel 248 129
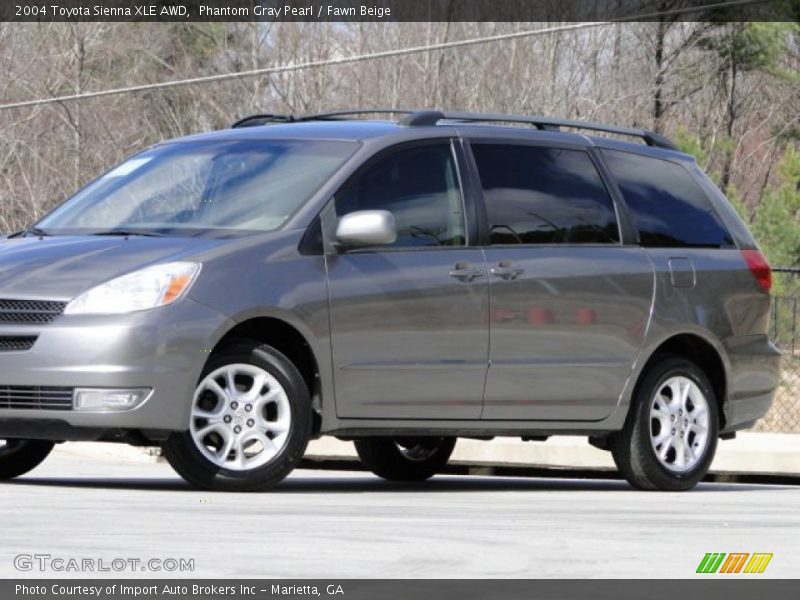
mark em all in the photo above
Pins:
pixel 397 10
pixel 708 588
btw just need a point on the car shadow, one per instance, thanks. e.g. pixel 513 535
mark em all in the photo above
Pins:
pixel 348 484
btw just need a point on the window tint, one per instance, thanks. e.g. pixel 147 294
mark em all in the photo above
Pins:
pixel 670 209
pixel 538 195
pixel 419 186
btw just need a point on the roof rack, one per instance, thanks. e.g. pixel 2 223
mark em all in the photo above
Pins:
pixel 256 120
pixel 265 119
pixel 344 114
pixel 428 118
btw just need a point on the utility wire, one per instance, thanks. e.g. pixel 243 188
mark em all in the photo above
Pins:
pixel 373 55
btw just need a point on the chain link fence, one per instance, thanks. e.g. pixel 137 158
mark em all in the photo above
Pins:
pixel 784 416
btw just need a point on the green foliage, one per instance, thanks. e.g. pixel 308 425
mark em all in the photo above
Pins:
pixel 777 220
pixel 735 198
pixel 749 46
pixel 690 144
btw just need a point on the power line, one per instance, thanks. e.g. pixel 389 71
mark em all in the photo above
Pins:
pixel 372 56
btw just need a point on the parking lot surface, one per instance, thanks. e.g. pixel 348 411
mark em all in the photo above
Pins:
pixel 351 524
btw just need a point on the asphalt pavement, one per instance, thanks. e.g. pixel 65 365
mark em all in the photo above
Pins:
pixel 350 524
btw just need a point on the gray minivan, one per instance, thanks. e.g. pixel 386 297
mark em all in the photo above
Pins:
pixel 232 295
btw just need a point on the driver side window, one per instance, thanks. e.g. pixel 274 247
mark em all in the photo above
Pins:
pixel 419 186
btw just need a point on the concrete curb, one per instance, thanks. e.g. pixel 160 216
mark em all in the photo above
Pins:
pixel 104 451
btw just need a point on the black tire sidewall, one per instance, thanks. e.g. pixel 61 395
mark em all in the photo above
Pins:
pixel 182 453
pixel 382 456
pixel 25 458
pixel 644 466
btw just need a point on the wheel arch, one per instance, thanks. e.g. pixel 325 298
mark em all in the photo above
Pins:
pixel 707 354
pixel 286 338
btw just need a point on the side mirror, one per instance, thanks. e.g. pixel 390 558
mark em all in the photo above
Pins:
pixel 366 228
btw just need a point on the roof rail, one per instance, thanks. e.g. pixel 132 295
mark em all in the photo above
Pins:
pixel 265 119
pixel 427 118
pixel 256 120
pixel 554 124
pixel 343 114
pixel 422 118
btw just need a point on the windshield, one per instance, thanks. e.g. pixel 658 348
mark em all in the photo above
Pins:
pixel 193 187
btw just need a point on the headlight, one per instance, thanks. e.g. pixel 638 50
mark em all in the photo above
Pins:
pixel 147 288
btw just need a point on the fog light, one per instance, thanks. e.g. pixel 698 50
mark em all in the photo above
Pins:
pixel 102 399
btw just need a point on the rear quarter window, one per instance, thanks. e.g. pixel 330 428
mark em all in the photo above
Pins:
pixel 669 208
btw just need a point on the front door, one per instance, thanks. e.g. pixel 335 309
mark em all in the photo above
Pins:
pixel 409 321
pixel 569 304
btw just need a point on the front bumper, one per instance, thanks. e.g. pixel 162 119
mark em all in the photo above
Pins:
pixel 162 349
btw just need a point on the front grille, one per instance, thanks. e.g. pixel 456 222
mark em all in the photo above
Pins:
pixel 35 397
pixel 16 343
pixel 37 312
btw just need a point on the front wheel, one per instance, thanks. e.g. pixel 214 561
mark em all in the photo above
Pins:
pixel 250 421
pixel 17 457
pixel 670 436
pixel 405 458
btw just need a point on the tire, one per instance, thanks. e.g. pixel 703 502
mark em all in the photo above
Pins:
pixel 17 457
pixel 250 439
pixel 685 424
pixel 405 458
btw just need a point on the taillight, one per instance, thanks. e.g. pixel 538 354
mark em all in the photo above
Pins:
pixel 759 267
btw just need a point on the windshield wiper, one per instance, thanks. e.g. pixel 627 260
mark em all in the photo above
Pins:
pixel 35 231
pixel 128 233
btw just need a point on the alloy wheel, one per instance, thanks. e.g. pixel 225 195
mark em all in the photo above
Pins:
pixel 240 417
pixel 679 424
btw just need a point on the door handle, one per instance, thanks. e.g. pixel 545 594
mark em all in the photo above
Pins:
pixel 464 272
pixel 505 271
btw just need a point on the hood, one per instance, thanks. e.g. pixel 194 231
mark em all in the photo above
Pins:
pixel 62 267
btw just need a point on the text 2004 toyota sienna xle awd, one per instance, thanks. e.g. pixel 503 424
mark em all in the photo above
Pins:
pixel 232 295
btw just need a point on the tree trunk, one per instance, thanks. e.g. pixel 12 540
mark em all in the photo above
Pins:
pixel 658 94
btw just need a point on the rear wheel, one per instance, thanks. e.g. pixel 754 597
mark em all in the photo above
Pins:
pixel 405 458
pixel 17 457
pixel 670 436
pixel 250 421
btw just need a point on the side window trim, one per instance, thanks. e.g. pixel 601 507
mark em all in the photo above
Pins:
pixel 329 218
pixel 620 210
pixel 481 216
pixel 469 193
pixel 629 234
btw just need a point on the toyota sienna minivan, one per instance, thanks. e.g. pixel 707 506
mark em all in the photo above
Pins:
pixel 232 295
